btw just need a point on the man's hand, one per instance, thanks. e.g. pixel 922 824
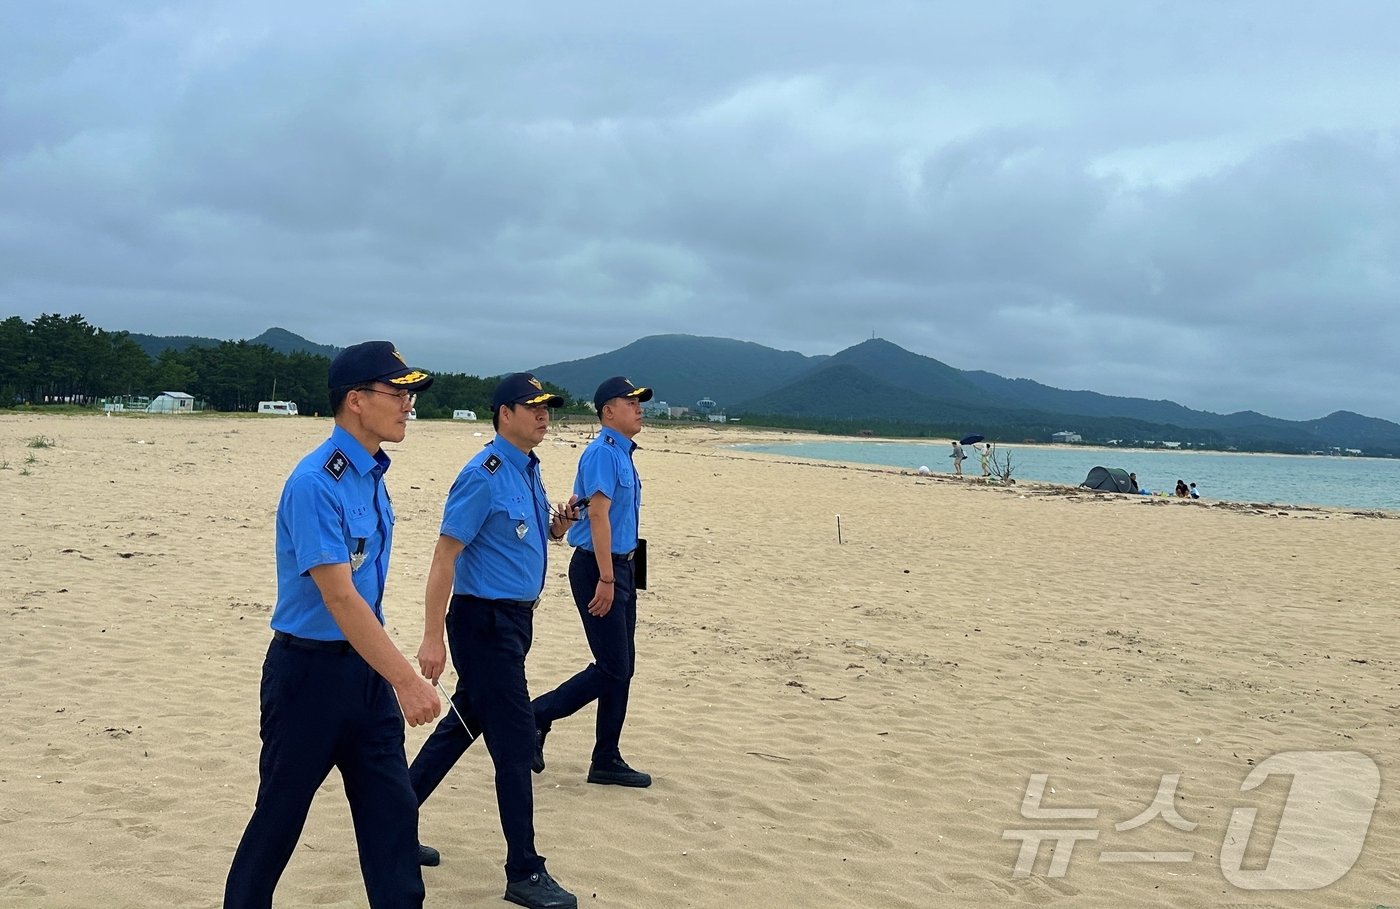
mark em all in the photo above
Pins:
pixel 432 658
pixel 419 701
pixel 565 513
pixel 602 599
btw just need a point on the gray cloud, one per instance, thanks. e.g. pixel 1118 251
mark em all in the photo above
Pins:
pixel 1181 201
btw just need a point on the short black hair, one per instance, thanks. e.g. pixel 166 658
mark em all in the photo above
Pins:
pixel 338 395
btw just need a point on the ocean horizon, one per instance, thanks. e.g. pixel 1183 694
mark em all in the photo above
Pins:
pixel 1318 480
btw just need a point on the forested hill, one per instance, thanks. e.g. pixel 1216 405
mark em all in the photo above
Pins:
pixel 64 360
pixel 872 386
pixel 279 339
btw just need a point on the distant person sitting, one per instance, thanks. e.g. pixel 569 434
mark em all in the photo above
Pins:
pixel 1194 493
pixel 1132 483
pixel 1181 490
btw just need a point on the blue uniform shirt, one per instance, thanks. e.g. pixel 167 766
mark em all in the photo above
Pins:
pixel 334 510
pixel 606 466
pixel 498 508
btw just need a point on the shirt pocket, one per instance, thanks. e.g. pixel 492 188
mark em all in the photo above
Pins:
pixel 518 515
pixel 362 541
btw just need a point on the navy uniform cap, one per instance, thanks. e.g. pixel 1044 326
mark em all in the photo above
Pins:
pixel 375 361
pixel 619 387
pixel 522 388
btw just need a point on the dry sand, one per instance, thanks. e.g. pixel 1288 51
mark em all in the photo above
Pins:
pixel 828 725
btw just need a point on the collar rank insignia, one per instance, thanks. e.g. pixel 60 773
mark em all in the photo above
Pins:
pixel 337 464
pixel 492 464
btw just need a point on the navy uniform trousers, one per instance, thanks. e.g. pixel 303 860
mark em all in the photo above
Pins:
pixel 612 639
pixel 489 640
pixel 323 707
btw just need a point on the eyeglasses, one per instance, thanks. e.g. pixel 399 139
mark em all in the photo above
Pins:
pixel 403 396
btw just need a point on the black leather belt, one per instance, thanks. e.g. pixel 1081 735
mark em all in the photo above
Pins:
pixel 509 604
pixel 617 556
pixel 292 640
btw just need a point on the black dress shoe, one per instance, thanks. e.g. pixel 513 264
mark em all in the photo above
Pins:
pixel 540 891
pixel 537 759
pixel 428 856
pixel 616 773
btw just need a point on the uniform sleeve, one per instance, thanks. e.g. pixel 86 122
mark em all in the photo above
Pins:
pixel 468 506
pixel 597 472
pixel 315 523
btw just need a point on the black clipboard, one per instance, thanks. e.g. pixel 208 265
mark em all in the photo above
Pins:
pixel 639 570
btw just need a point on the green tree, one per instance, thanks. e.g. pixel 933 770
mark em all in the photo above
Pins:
pixel 171 373
pixel 16 363
pixel 62 347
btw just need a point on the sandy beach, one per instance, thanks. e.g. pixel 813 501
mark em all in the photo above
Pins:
pixel 829 724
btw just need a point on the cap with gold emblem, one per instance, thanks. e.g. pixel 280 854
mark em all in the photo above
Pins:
pixel 375 361
pixel 522 388
pixel 619 387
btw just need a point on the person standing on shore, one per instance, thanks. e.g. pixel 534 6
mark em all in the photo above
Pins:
pixel 484 583
pixel 958 458
pixel 607 567
pixel 335 689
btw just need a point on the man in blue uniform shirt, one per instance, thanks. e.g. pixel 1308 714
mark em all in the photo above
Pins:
pixel 335 689
pixel 487 573
pixel 603 575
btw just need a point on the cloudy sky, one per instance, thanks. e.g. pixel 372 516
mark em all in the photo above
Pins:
pixel 1189 200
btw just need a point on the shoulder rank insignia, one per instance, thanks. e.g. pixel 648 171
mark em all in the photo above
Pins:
pixel 609 440
pixel 492 464
pixel 337 464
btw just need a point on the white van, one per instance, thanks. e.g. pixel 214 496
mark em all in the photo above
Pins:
pixel 464 415
pixel 282 408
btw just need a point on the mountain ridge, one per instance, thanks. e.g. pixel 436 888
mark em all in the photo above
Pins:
pixel 279 339
pixel 877 381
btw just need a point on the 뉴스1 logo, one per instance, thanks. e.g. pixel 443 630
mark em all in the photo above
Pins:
pixel 1321 834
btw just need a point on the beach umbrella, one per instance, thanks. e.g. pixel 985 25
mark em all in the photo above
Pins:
pixel 970 440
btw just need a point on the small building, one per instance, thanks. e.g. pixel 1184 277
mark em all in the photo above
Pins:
pixel 656 408
pixel 279 408
pixel 1066 436
pixel 706 406
pixel 717 418
pixel 464 415
pixel 171 402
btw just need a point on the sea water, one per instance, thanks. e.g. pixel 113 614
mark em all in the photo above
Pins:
pixel 1360 483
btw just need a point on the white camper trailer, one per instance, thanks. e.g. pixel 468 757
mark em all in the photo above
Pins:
pixel 283 408
pixel 464 415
